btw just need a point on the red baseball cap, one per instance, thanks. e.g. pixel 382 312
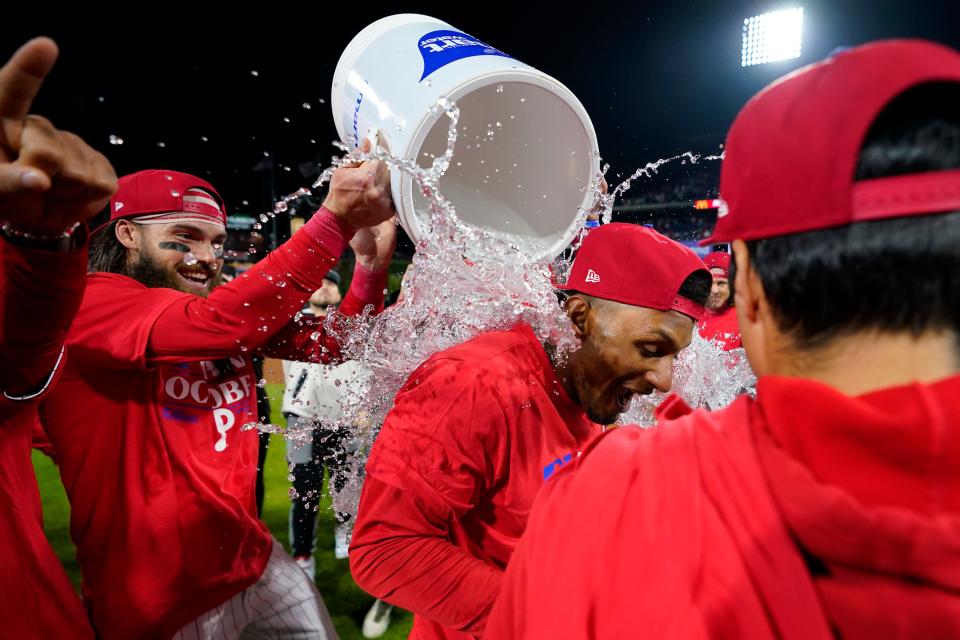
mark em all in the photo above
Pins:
pixel 159 196
pixel 637 266
pixel 792 152
pixel 718 260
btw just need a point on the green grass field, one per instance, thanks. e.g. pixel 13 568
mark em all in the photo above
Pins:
pixel 346 602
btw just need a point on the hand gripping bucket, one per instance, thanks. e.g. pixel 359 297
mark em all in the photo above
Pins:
pixel 526 150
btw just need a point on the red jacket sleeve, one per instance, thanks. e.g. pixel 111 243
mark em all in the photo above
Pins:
pixel 40 292
pixel 307 339
pixel 247 313
pixel 435 457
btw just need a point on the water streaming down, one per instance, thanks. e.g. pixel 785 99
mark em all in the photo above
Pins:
pixel 704 375
pixel 463 281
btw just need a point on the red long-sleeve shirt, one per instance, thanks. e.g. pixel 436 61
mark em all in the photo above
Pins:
pixel 146 425
pixel 40 292
pixel 452 476
pixel 805 514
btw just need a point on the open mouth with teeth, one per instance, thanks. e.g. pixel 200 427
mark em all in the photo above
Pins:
pixel 194 279
pixel 624 396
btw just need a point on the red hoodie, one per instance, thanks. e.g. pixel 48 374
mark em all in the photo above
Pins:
pixel 453 474
pixel 146 425
pixel 39 295
pixel 805 514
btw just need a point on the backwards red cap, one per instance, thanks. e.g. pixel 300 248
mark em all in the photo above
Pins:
pixel 792 151
pixel 718 260
pixel 637 266
pixel 150 194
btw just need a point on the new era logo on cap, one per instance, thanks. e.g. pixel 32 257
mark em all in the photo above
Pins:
pixel 640 268
pixel 117 206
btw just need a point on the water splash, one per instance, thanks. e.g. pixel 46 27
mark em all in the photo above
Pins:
pixel 489 281
pixel 704 375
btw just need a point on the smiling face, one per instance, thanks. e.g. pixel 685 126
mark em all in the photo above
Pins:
pixel 625 351
pixel 720 291
pixel 186 256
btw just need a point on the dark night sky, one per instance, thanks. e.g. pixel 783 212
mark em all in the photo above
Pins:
pixel 656 78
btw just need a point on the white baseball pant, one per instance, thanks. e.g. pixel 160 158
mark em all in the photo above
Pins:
pixel 283 605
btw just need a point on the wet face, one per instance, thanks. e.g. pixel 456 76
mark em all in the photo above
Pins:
pixel 720 291
pixel 186 256
pixel 625 351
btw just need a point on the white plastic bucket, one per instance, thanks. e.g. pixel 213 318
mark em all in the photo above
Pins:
pixel 529 178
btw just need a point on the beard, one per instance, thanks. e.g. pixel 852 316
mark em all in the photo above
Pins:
pixel 717 301
pixel 149 273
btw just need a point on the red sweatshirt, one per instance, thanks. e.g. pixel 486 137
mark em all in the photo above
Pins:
pixel 146 426
pixel 805 514
pixel 40 292
pixel 453 474
pixel 722 328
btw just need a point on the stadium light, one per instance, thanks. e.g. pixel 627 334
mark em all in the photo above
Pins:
pixel 773 36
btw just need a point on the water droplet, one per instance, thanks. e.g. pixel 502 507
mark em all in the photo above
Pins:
pixel 162 145
pixel 523 99
pixel 499 88
pixel 306 105
pixel 116 140
pixel 254 73
pixel 489 132
pixel 101 99
pixel 204 139
pixel 245 202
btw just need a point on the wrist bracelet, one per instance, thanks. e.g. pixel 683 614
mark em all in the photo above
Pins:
pixel 12 233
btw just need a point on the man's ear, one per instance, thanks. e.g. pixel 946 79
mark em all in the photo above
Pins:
pixel 129 234
pixel 579 311
pixel 747 287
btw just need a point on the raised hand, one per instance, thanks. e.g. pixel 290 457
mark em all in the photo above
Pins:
pixel 374 245
pixel 49 179
pixel 360 194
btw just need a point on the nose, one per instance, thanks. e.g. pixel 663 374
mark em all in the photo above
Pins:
pixel 661 375
pixel 207 253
